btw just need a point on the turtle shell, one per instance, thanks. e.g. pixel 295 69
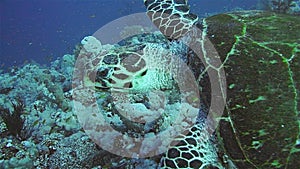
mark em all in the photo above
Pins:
pixel 261 56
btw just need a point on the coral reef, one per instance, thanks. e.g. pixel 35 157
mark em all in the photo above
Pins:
pixel 39 127
pixel 35 103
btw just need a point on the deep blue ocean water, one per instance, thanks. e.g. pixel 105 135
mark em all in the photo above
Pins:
pixel 42 30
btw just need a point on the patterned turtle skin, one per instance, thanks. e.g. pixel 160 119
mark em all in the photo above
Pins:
pixel 116 69
pixel 135 69
pixel 172 17
pixel 194 150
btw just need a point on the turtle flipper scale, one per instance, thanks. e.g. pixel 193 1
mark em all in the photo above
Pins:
pixel 171 17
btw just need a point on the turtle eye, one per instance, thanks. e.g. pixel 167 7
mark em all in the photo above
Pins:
pixel 144 73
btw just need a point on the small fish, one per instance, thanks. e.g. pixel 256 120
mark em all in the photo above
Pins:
pixel 35 122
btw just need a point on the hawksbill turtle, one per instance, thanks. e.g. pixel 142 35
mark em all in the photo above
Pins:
pixel 260 124
pixel 260 55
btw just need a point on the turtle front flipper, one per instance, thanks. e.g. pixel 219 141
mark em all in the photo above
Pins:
pixel 171 17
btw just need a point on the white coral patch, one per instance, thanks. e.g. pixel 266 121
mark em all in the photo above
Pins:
pixel 91 44
pixel 138 112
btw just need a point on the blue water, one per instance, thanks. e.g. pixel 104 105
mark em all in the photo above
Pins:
pixel 42 30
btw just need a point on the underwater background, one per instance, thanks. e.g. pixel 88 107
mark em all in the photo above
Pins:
pixel 44 30
pixel 232 85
